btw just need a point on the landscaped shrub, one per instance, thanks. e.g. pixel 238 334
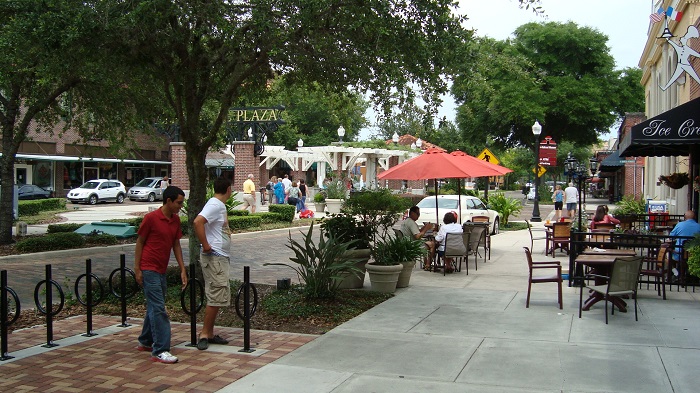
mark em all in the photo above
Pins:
pixel 101 239
pixel 243 222
pixel 269 218
pixel 135 221
pixel 67 227
pixel 30 208
pixel 238 213
pixel 53 241
pixel 287 211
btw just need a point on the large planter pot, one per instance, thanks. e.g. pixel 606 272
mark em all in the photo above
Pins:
pixel 320 207
pixel 405 275
pixel 355 280
pixel 333 205
pixel 383 278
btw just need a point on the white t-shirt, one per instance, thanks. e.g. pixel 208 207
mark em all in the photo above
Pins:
pixel 571 194
pixel 216 229
pixel 287 183
pixel 444 230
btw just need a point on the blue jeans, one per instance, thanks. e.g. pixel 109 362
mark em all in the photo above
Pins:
pixel 156 326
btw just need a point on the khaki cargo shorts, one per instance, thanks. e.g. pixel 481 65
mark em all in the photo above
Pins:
pixel 217 288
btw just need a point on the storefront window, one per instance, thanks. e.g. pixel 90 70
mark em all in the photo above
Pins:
pixel 72 175
pixel 42 175
pixel 108 170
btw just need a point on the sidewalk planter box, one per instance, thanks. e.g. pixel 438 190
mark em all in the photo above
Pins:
pixel 333 205
pixel 355 280
pixel 405 275
pixel 383 278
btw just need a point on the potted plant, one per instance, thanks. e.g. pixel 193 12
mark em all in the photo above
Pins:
pixel 335 195
pixel 320 201
pixel 628 209
pixel 344 228
pixel 391 255
pixel 675 180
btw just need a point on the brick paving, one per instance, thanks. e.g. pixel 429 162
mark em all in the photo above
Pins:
pixel 110 362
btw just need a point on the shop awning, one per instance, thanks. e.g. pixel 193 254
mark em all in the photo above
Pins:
pixel 612 162
pixel 672 133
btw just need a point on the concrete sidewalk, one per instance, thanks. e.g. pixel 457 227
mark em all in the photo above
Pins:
pixel 460 333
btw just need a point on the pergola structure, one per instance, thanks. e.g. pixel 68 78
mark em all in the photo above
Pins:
pixel 338 158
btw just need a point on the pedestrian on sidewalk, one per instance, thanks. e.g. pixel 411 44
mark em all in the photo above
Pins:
pixel 571 199
pixel 214 235
pixel 558 199
pixel 249 193
pixel 159 233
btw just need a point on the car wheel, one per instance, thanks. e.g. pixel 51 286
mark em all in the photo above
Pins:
pixel 151 197
pixel 496 227
pixel 93 199
pixel 120 198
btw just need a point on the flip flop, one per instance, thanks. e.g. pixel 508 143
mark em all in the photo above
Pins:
pixel 218 340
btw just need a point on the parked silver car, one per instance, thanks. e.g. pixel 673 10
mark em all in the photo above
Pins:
pixel 98 190
pixel 147 189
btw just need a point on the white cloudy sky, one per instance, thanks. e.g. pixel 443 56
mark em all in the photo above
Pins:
pixel 625 22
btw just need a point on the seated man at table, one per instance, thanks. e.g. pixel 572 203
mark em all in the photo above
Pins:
pixel 409 227
pixel 687 227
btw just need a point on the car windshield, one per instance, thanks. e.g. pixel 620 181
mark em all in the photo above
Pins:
pixel 442 203
pixel 90 185
pixel 145 183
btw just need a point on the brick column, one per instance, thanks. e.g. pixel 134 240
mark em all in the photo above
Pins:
pixel 394 184
pixel 178 166
pixel 245 164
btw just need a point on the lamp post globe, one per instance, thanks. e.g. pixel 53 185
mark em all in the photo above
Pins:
pixel 300 143
pixel 341 133
pixel 395 138
pixel 536 131
pixel 419 143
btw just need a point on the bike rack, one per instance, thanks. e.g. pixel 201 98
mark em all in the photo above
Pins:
pixel 89 301
pixel 122 294
pixel 4 311
pixel 248 311
pixel 49 309
pixel 192 286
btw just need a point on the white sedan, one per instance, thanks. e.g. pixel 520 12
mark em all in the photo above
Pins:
pixel 471 206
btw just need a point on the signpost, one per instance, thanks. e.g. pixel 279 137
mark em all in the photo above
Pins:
pixel 487 156
pixel 548 152
pixel 540 170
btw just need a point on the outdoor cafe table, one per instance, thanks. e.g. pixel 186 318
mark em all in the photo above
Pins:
pixel 602 265
pixel 609 251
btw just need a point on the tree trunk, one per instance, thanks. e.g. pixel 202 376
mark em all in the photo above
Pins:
pixel 7 172
pixel 197 171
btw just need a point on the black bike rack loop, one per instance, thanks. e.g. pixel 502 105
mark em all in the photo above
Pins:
pixel 4 311
pixel 89 303
pixel 49 310
pixel 248 311
pixel 191 288
pixel 123 296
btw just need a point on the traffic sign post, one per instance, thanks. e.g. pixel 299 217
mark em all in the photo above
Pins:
pixel 540 170
pixel 487 156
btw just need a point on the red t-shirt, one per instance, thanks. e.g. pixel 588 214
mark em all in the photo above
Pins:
pixel 159 234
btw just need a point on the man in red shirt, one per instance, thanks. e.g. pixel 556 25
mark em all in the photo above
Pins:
pixel 159 233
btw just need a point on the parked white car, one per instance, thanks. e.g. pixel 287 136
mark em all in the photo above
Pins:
pixel 98 190
pixel 471 206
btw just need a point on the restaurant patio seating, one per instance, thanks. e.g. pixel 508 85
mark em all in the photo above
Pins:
pixel 539 279
pixel 477 238
pixel 623 280
pixel 398 233
pixel 487 234
pixel 560 237
pixel 538 234
pixel 455 249
pixel 658 268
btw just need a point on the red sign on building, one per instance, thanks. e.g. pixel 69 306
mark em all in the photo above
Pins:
pixel 548 152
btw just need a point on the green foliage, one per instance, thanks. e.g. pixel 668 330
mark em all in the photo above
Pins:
pixel 68 227
pixel 100 239
pixel 376 210
pixel 336 189
pixel 629 205
pixel 345 228
pixel 505 206
pixel 50 242
pixel 185 226
pixel 393 250
pixel 30 208
pixel 135 221
pixel 231 203
pixel 243 212
pixel 320 197
pixel 269 218
pixel 286 211
pixel 319 266
pixel 244 222
pixel 693 248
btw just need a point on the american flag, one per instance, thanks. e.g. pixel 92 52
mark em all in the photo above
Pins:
pixel 655 18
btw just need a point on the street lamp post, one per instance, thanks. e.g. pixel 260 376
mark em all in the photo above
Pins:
pixel 341 133
pixel 395 138
pixel 537 130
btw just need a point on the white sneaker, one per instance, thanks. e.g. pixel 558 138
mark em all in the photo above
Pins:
pixel 164 357
pixel 675 271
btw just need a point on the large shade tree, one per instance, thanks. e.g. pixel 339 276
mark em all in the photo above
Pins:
pixel 213 54
pixel 559 73
pixel 57 70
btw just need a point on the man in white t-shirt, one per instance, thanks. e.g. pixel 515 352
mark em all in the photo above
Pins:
pixel 287 185
pixel 571 194
pixel 214 235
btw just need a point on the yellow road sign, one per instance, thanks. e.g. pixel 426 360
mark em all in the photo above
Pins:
pixel 487 156
pixel 540 170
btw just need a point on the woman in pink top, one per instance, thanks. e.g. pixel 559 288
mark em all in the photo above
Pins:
pixel 602 217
